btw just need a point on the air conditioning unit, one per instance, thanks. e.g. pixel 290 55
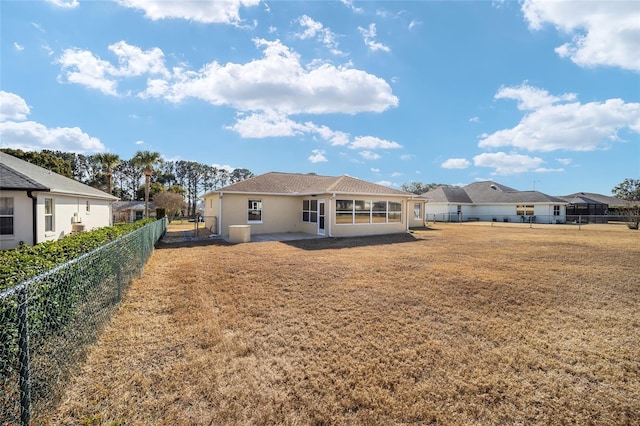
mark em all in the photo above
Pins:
pixel 76 218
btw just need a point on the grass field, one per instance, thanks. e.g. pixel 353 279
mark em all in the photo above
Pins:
pixel 456 325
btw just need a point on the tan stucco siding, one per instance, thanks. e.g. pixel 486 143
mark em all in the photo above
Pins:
pixel 279 213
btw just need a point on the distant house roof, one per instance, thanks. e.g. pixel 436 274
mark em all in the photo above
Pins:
pixel 487 192
pixel 302 184
pixel 131 205
pixel 20 175
pixel 591 198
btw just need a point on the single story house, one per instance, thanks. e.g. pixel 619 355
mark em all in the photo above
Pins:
pixel 131 211
pixel 324 205
pixel 490 201
pixel 38 205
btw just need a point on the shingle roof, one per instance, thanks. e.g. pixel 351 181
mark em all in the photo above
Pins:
pixel 301 184
pixel 17 174
pixel 11 179
pixel 591 198
pixel 487 192
pixel 491 192
pixel 447 194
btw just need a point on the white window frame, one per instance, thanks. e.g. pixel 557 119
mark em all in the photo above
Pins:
pixel 50 224
pixel 417 216
pixel 10 213
pixel 254 205
pixel 365 208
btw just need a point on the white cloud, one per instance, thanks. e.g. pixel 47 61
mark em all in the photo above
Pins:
pixel 32 136
pixel 547 170
pixel 564 161
pixel 264 125
pixel 375 170
pixel 276 82
pixel 349 4
pixel 369 155
pixel 66 4
pixel 279 82
pixel 397 174
pixel 369 35
pixel 317 156
pixel 406 157
pixel 134 61
pixel 208 12
pixel 414 24
pixel 371 142
pixel 315 29
pixel 84 68
pixel 455 163
pixel 18 46
pixel 223 167
pixel 531 98
pixel 139 142
pixel 507 164
pixel 81 67
pixel 474 120
pixel 571 127
pixel 13 107
pixel 603 33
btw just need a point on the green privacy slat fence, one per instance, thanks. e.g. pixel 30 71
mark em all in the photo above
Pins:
pixel 48 322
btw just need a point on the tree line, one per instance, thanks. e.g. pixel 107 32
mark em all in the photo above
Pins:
pixel 123 178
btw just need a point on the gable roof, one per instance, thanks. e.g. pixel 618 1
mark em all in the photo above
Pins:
pixel 591 198
pixel 301 184
pixel 488 192
pixel 20 175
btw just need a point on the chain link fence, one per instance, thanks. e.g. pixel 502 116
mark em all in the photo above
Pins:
pixel 48 322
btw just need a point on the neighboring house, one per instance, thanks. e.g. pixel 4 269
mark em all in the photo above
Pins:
pixel 38 205
pixel 595 208
pixel 130 211
pixel 490 201
pixel 324 205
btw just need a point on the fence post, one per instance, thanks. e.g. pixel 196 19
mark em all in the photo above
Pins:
pixel 23 344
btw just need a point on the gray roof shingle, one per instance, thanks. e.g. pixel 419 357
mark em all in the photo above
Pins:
pixel 17 174
pixel 301 184
pixel 487 192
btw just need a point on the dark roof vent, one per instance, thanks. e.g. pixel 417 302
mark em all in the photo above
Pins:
pixel 492 186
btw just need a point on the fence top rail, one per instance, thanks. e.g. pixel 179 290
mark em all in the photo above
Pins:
pixel 26 283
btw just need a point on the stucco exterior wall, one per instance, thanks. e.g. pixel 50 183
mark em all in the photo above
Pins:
pixel 413 220
pixel 279 213
pixel 65 206
pixel 68 209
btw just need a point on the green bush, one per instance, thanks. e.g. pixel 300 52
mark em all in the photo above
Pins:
pixel 24 262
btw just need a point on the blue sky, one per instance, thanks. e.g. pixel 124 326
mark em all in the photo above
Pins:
pixel 529 94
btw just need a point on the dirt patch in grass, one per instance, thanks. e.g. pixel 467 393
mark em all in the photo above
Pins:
pixel 455 325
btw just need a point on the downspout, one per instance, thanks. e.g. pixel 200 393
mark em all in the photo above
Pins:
pixel 34 210
pixel 220 215
pixel 330 213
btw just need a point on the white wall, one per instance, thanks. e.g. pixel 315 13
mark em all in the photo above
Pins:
pixel 99 214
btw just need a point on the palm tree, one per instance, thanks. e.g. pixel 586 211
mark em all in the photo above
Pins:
pixel 147 160
pixel 108 162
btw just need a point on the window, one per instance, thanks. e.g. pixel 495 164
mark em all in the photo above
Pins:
pixel 88 208
pixel 556 210
pixel 364 211
pixel 48 215
pixel 344 211
pixel 524 210
pixel 310 211
pixel 6 216
pixel 255 211
pixel 417 211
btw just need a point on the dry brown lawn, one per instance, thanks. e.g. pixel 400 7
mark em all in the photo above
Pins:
pixel 457 325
